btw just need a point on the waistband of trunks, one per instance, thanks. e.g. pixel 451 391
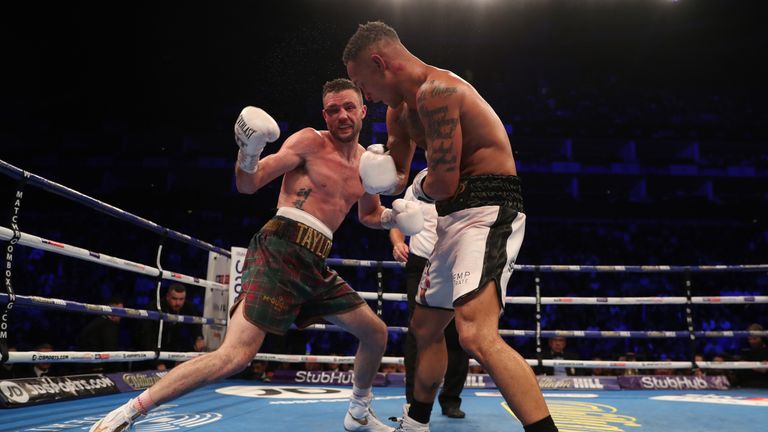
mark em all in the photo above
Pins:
pixel 483 190
pixel 300 234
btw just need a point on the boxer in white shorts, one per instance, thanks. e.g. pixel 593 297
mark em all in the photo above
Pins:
pixel 478 241
pixel 473 178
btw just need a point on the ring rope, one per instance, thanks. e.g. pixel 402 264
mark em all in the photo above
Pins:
pixel 634 333
pixel 599 301
pixel 97 257
pixel 119 356
pixel 87 255
pixel 588 333
pixel 100 258
pixel 344 262
pixel 54 303
pixel 95 204
pixel 97 309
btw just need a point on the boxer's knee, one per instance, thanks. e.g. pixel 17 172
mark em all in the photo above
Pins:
pixel 231 360
pixel 377 333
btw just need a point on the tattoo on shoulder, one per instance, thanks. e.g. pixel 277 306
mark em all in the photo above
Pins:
pixel 436 90
pixel 442 91
pixel 302 195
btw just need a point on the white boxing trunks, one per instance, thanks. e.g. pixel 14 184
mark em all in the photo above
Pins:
pixel 480 231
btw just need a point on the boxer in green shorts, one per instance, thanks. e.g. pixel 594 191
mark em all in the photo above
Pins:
pixel 285 279
pixel 285 276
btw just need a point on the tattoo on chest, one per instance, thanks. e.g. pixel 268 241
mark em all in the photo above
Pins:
pixel 439 126
pixel 302 195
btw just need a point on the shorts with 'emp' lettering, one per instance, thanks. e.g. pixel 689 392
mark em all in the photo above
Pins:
pixel 480 231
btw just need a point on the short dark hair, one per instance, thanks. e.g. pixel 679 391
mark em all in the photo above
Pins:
pixel 340 84
pixel 365 36
pixel 177 287
pixel 115 299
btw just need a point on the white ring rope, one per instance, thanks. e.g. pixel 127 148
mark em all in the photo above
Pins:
pixel 73 195
pixel 591 333
pixel 54 303
pixel 89 308
pixel 121 356
pixel 602 300
pixel 571 268
pixel 100 258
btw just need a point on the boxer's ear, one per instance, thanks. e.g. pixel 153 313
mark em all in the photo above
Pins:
pixel 379 61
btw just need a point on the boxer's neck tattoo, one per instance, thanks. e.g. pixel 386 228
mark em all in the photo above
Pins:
pixel 303 194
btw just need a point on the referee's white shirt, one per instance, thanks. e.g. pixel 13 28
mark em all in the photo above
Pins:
pixel 423 242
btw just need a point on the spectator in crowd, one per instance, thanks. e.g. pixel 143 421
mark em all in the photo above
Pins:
pixel 332 367
pixel 387 368
pixel 256 371
pixel 717 372
pixel 313 366
pixel 337 367
pixel 757 351
pixel 102 333
pixel 628 357
pixel 598 371
pixel 698 371
pixel 177 336
pixel 38 370
pixel 7 370
pixel 557 351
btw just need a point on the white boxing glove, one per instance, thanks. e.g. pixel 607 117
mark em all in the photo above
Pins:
pixel 254 128
pixel 377 170
pixel 405 215
pixel 418 187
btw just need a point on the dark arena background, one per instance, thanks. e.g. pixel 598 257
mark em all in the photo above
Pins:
pixel 640 133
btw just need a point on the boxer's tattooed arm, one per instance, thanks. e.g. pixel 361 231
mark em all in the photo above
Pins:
pixel 303 194
pixel 442 155
pixel 440 125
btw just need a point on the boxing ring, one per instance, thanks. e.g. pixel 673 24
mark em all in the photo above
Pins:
pixel 216 408
pixel 297 400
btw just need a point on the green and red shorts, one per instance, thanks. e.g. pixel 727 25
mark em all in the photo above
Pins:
pixel 286 279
